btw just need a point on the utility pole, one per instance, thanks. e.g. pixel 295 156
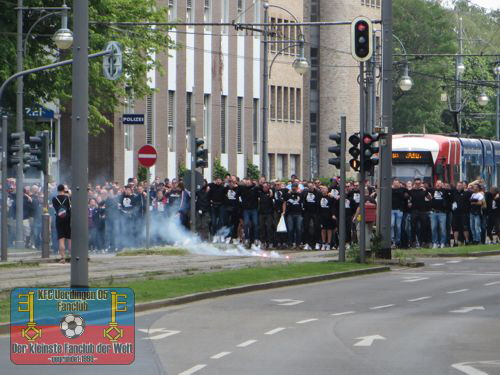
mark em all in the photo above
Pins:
pixel 362 125
pixel 19 242
pixel 45 214
pixel 385 168
pixel 5 234
pixel 458 72
pixel 342 219
pixel 79 146
pixel 497 73
pixel 265 90
pixel 193 176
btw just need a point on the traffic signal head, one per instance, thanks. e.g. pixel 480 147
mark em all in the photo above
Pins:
pixel 337 150
pixel 354 139
pixel 369 150
pixel 355 164
pixel 361 39
pixel 13 148
pixel 201 155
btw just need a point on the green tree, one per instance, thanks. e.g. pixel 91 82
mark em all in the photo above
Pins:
pixel 139 44
pixel 253 171
pixel 219 171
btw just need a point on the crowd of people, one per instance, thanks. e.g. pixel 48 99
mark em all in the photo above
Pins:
pixel 249 212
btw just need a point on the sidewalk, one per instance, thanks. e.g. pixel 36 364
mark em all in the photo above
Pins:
pixel 105 267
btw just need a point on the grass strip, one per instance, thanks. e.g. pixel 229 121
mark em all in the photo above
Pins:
pixel 462 250
pixel 152 289
pixel 165 251
pixel 19 265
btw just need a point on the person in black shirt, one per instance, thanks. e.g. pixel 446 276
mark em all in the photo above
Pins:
pixel 266 216
pixel 460 214
pixel 328 214
pixel 62 208
pixel 215 196
pixel 311 198
pixel 231 210
pixel 249 193
pixel 440 203
pixel 126 207
pixel 399 196
pixel 490 212
pixel 292 208
pixel 279 192
pixel 419 205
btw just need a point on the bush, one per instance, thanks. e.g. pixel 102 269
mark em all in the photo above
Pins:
pixel 219 170
pixel 181 170
pixel 142 173
pixel 253 171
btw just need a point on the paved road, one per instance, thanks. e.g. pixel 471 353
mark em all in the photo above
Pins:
pixel 441 319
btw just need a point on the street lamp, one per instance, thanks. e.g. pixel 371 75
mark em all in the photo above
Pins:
pixel 460 68
pixel 483 99
pixel 405 83
pixel 497 74
pixel 63 38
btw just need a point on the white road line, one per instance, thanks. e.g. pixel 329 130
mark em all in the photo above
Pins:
pixel 193 369
pixel 246 343
pixel 419 299
pixel 412 280
pixel 306 321
pixel 381 307
pixel 343 313
pixel 220 355
pixel 437 264
pixel 454 261
pixel 273 331
pixel 469 370
pixel 457 291
pixel 492 283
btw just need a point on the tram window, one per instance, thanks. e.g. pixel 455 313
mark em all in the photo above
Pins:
pixel 456 173
pixel 440 172
pixel 469 172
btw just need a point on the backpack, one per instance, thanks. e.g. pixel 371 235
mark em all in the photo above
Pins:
pixel 61 211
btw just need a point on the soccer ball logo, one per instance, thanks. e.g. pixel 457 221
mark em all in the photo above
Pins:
pixel 72 326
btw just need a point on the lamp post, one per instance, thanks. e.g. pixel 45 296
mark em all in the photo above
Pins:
pixel 63 39
pixel 300 64
pixel 497 74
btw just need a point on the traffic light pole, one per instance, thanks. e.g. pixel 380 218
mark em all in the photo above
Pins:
pixel 4 190
pixel 385 171
pixel 148 212
pixel 362 124
pixel 193 177
pixel 342 216
pixel 45 215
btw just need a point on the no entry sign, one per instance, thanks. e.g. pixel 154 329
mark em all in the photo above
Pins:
pixel 147 156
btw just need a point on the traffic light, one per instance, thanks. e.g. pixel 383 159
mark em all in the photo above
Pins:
pixel 35 150
pixel 201 154
pixel 361 39
pixel 337 150
pixel 354 152
pixel 13 148
pixel 370 160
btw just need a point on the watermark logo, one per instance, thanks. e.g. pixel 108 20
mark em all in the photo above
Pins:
pixel 72 326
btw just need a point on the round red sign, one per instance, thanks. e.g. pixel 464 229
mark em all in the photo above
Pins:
pixel 147 156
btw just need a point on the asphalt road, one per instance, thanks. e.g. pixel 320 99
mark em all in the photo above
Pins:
pixel 440 319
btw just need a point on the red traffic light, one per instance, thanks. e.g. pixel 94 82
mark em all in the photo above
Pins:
pixel 362 26
pixel 370 138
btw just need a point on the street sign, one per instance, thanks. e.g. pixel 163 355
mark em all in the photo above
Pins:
pixel 112 64
pixel 133 119
pixel 39 111
pixel 147 156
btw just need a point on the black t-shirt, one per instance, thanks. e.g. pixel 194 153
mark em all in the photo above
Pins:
pixel 216 194
pixel 294 202
pixel 461 202
pixel 249 197
pixel 231 197
pixel 328 206
pixel 279 196
pixel 126 204
pixel 354 197
pixel 399 198
pixel 266 202
pixel 311 198
pixel 440 199
pixel 418 202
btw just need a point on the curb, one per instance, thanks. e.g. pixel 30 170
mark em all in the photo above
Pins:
pixel 145 306
pixel 474 254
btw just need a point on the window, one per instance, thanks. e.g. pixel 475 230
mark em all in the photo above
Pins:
pixel 171 10
pixel 286 36
pixel 223 122
pixel 189 97
pixel 256 126
pixel 239 121
pixel 241 8
pixel 149 120
pixel 189 11
pixel 207 121
pixel 273 31
pixel 281 166
pixel 293 36
pixel 272 166
pixel 285 103
pixel 378 3
pixel 171 120
pixel 298 105
pixel 280 103
pixel 292 104
pixel 225 15
pixel 273 102
pixel 257 6
pixel 295 164
pixel 207 13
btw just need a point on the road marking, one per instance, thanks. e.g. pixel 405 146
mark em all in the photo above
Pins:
pixel 246 343
pixel 273 331
pixel 220 355
pixel 306 321
pixel 164 333
pixel 381 307
pixel 419 299
pixel 492 283
pixel 193 369
pixel 469 370
pixel 457 291
pixel 368 340
pixel 437 264
pixel 472 258
pixel 413 279
pixel 343 313
pixel 465 310
pixel 454 261
pixel 287 302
